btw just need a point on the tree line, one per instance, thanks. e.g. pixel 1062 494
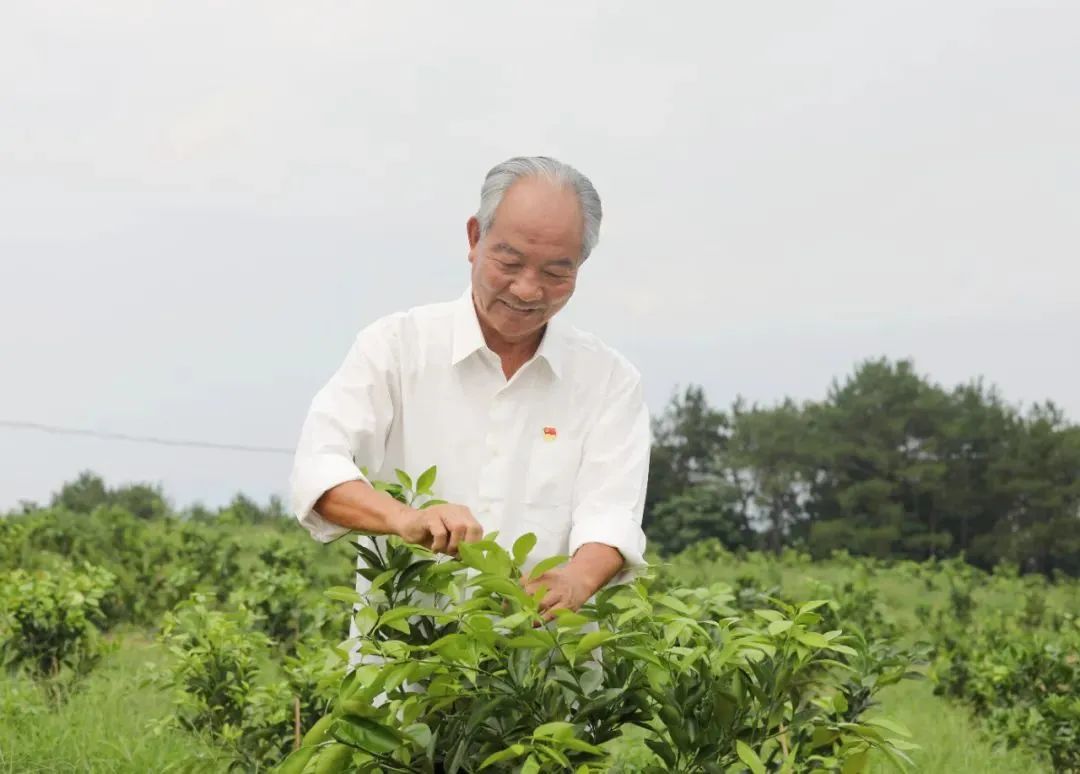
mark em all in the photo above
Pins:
pixel 889 464
pixel 88 491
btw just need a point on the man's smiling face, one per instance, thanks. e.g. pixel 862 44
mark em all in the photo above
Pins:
pixel 525 268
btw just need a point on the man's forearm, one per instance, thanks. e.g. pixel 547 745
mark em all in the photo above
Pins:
pixel 356 505
pixel 597 563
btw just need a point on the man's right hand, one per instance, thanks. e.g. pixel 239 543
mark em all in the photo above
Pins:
pixel 440 528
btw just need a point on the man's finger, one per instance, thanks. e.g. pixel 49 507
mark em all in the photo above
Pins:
pixel 474 532
pixel 439 537
pixel 536 588
pixel 548 604
pixel 551 605
pixel 457 534
pixel 530 584
pixel 550 600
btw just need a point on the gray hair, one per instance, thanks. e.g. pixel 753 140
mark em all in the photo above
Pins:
pixel 503 175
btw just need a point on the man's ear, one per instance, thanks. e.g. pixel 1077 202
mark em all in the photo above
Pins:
pixel 472 228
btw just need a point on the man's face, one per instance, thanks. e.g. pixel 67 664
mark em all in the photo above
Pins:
pixel 525 268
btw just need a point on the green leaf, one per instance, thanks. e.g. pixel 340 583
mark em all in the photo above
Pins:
pixel 662 748
pixel 769 615
pixel 581 746
pixel 403 477
pixel 318 732
pixel 398 675
pixel 532 765
pixel 675 604
pixel 857 762
pixel 840 703
pixel 334 759
pixel 812 639
pixel 566 619
pixel 890 725
pixel 419 733
pixel 426 480
pixel 749 757
pixel 397 614
pixel 471 555
pixel 365 619
pixel 896 756
pixel 554 754
pixel 513 751
pixel 592 640
pixel 367 734
pixel 381 578
pixel 847 651
pixel 530 640
pixel 639 653
pixel 344 594
pixel 431 504
pixel 779 627
pixel 558 729
pixel 296 762
pixel 822 736
pixel 547 564
pixel 522 546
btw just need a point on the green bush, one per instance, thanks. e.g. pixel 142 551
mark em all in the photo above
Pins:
pixel 49 620
pixel 224 687
pixel 1024 682
pixel 455 668
pixel 287 608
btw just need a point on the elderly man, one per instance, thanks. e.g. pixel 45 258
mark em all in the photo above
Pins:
pixel 534 425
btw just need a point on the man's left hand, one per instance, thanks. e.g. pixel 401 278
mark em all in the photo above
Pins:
pixel 567 588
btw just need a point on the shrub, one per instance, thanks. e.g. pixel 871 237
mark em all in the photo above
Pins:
pixel 287 610
pixel 1025 683
pixel 455 669
pixel 49 620
pixel 218 685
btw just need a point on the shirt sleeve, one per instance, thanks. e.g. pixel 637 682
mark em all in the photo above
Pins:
pixel 347 425
pixel 609 494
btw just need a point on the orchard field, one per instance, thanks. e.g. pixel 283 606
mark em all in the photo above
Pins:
pixel 134 639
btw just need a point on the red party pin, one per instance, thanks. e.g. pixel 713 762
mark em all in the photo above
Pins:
pixel 550 434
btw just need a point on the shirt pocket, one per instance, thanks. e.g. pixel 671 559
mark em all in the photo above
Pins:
pixel 551 525
pixel 551 472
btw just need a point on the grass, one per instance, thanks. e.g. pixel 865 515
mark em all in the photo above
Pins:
pixel 102 728
pixel 950 738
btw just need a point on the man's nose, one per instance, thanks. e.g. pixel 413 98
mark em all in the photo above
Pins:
pixel 527 290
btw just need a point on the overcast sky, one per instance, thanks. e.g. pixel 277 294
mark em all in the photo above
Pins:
pixel 200 204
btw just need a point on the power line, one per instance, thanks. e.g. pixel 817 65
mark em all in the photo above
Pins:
pixel 107 436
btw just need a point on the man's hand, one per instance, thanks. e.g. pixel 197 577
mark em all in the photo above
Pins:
pixel 440 528
pixel 567 588
pixel 570 586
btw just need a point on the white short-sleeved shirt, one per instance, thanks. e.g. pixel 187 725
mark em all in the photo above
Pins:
pixel 561 449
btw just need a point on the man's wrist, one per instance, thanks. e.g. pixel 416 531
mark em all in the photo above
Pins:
pixel 595 564
pixel 395 516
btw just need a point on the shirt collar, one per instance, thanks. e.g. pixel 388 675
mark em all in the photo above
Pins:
pixel 468 338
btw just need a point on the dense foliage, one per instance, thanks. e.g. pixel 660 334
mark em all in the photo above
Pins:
pixel 1019 670
pixel 888 464
pixel 50 619
pixel 251 637
pixel 456 670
